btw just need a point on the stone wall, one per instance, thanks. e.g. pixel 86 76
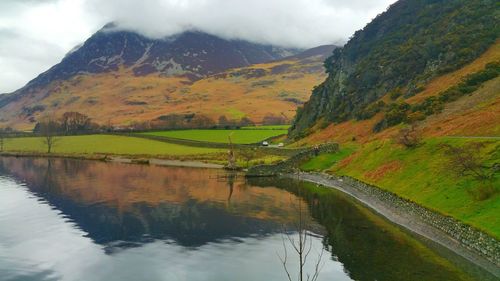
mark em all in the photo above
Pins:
pixel 292 163
pixel 265 149
pixel 469 237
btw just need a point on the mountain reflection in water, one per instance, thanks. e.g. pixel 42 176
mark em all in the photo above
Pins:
pixel 134 203
pixel 130 222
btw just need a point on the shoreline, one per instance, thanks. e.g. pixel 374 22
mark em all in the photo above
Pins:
pixel 165 162
pixel 392 211
pixel 125 159
pixel 413 221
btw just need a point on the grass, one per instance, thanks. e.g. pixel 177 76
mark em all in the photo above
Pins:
pixel 221 136
pixel 422 175
pixel 325 161
pixel 104 144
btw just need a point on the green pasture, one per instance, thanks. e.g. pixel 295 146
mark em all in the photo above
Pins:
pixel 239 136
pixel 103 144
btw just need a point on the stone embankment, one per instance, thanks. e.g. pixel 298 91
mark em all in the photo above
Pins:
pixel 292 163
pixel 463 239
pixel 459 237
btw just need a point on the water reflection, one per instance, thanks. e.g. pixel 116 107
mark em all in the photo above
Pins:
pixel 86 220
pixel 136 204
pixel 369 247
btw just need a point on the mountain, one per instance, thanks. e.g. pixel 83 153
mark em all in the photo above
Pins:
pixel 397 55
pixel 122 77
pixel 412 99
pixel 191 53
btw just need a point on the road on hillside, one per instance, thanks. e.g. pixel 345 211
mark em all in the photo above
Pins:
pixel 473 137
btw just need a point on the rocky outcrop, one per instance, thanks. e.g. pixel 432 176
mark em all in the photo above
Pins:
pixel 398 52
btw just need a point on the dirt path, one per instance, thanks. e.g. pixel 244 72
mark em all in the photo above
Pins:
pixel 403 218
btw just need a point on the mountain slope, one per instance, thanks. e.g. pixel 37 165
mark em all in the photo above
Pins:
pixel 452 120
pixel 399 52
pixel 120 94
pixel 191 53
pixel 423 174
pixel 433 66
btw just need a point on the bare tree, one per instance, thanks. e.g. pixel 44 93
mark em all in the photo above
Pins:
pixel 248 155
pixel 231 156
pixel 2 139
pixel 301 245
pixel 48 128
pixel 271 119
pixel 466 160
pixel 409 137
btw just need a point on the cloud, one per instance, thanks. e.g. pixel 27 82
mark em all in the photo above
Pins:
pixel 36 34
pixel 294 23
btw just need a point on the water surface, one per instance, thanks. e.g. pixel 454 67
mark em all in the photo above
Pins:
pixel 85 220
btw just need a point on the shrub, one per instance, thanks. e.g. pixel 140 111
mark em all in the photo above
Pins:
pixel 396 113
pixel 409 137
pixel 396 93
pixel 415 117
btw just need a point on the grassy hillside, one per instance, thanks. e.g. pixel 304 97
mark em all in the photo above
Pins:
pixel 104 144
pixel 423 174
pixel 242 136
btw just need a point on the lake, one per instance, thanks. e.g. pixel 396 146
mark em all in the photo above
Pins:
pixel 63 219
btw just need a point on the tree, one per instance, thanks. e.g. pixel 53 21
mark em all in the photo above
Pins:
pixel 202 121
pixel 271 119
pixel 48 128
pixel 301 246
pixel 466 161
pixel 248 155
pixel 223 121
pixel 2 139
pixel 74 122
pixel 245 121
pixel 410 136
pixel 226 123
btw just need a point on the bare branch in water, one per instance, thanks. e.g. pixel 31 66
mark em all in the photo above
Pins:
pixel 303 247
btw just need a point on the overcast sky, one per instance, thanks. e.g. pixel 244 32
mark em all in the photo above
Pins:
pixel 36 34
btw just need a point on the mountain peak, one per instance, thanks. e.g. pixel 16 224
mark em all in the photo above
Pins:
pixel 191 53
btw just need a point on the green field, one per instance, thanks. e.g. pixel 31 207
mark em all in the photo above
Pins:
pixel 241 136
pixel 422 175
pixel 103 144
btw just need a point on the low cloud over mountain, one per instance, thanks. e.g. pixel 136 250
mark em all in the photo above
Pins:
pixel 53 27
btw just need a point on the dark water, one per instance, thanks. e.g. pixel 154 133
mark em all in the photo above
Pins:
pixel 85 220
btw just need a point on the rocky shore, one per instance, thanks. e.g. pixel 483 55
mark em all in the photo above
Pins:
pixel 470 243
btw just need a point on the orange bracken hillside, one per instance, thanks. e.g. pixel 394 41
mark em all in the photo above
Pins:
pixel 120 98
pixel 477 114
pixel 443 82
